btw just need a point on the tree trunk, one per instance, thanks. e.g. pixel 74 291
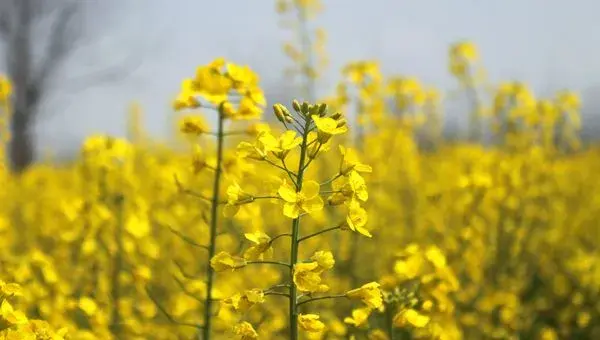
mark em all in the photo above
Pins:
pixel 21 144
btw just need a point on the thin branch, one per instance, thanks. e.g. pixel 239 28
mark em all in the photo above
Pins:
pixel 279 166
pixel 229 133
pixel 279 236
pixel 322 298
pixel 186 291
pixel 270 262
pixel 61 41
pixel 186 238
pixel 192 193
pixel 312 158
pixel 114 73
pixel 318 233
pixel 169 316
pixel 332 179
pixel 329 192
pixel 281 285
pixel 184 273
pixel 277 293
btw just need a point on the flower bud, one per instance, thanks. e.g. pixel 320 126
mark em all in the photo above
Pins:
pixel 313 110
pixel 296 105
pixel 322 109
pixel 278 112
pixel 336 115
pixel 305 108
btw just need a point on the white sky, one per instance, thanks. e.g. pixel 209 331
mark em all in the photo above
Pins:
pixel 551 44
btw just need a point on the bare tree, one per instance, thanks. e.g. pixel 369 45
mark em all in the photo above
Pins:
pixel 38 36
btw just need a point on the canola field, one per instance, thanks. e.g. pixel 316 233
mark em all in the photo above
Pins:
pixel 343 217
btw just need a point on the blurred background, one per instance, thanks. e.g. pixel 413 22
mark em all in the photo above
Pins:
pixel 97 57
pixel 472 122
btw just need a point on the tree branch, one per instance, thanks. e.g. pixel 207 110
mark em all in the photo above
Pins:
pixel 61 41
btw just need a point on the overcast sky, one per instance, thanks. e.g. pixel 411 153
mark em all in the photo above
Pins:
pixel 551 44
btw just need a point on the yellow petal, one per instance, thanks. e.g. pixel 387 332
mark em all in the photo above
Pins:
pixel 287 193
pixel 291 210
pixel 311 189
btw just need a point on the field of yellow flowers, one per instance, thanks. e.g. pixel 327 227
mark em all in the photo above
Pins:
pixel 345 218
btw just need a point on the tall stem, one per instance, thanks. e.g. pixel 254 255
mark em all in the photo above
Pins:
pixel 213 230
pixel 475 132
pixel 389 321
pixel 295 239
pixel 117 268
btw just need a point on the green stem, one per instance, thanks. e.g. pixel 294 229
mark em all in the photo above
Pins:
pixel 389 320
pixel 213 229
pixel 474 120
pixel 117 268
pixel 293 310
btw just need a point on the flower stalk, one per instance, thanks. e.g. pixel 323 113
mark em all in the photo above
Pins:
pixel 214 220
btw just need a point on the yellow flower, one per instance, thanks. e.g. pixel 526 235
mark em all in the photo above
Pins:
pixel 280 146
pixel 324 259
pixel 5 88
pixel 137 225
pixel 306 201
pixel 310 323
pixel 327 127
pixel 225 261
pixel 356 219
pixel 547 333
pixel 358 186
pixel 411 317
pixel 315 147
pixel 265 142
pixel 240 75
pixel 193 125
pixel 11 316
pixel 360 317
pixel 10 289
pixel 262 246
pixel 286 142
pixel 187 97
pixel 369 293
pixel 243 302
pixel 88 306
pixel 247 109
pixel 350 162
pixel 245 331
pixel 378 334
pixel 257 128
pixel 435 256
pixel 349 188
pixel 307 277
pixel 235 197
